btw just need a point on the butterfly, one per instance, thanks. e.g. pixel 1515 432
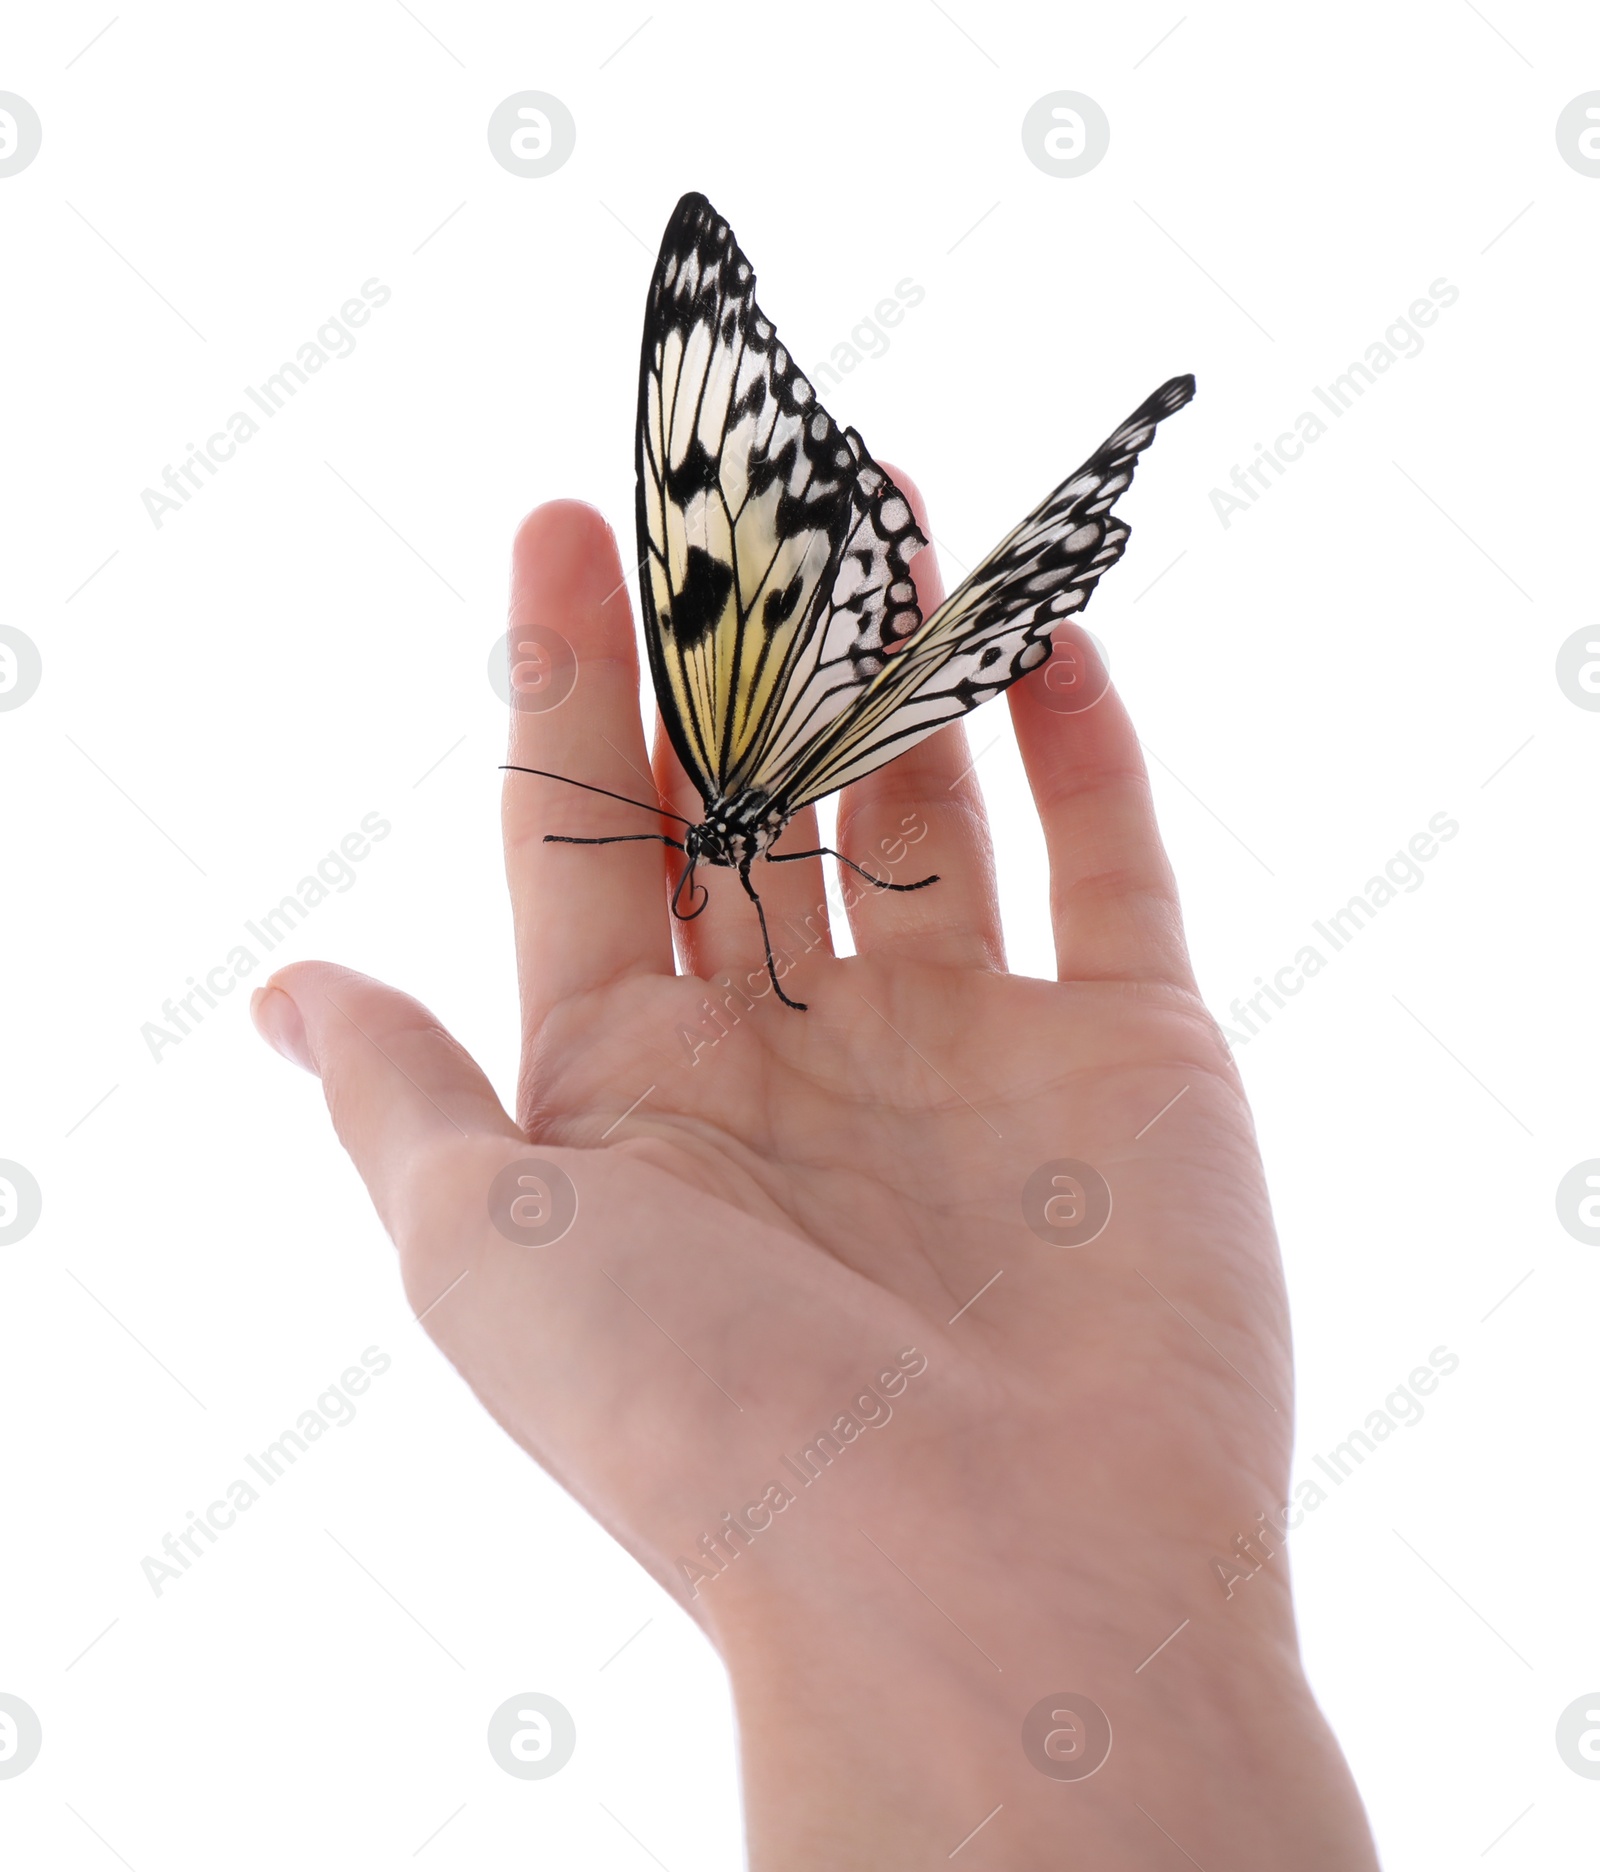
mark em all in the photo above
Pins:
pixel 786 645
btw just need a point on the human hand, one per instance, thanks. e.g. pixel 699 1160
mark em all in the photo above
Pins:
pixel 779 1214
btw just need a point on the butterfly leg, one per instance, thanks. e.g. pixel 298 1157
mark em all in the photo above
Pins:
pixel 636 838
pixel 621 838
pixel 827 851
pixel 772 967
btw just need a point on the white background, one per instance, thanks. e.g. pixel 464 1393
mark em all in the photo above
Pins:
pixel 1367 646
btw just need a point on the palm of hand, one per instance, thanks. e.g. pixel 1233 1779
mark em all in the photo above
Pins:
pixel 798 1198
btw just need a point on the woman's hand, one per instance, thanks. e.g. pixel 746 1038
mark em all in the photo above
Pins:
pixel 805 1351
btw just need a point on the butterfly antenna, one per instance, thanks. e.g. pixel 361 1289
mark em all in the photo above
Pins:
pixel 545 774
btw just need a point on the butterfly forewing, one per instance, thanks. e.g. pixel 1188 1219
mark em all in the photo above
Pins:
pixel 775 552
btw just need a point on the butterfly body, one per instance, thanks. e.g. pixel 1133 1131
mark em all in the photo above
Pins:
pixel 787 646
pixel 736 831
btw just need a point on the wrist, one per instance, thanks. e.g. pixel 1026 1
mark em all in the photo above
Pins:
pixel 895 1695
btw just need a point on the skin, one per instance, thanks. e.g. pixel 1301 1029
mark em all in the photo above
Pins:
pixel 801 1199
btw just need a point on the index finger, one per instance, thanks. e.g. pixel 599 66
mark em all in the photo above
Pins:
pixel 585 916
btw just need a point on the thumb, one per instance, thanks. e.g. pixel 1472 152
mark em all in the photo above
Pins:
pixel 400 1089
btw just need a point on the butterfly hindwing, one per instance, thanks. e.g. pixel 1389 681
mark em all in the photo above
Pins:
pixel 996 625
pixel 775 551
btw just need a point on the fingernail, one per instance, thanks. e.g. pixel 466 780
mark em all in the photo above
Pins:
pixel 278 1022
